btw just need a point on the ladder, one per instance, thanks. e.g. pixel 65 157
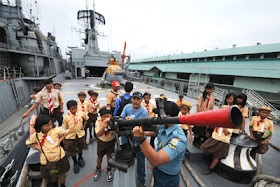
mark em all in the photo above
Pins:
pixel 254 99
pixel 196 85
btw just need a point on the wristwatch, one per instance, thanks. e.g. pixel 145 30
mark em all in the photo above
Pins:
pixel 141 140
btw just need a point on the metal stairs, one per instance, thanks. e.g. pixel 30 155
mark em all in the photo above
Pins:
pixel 254 99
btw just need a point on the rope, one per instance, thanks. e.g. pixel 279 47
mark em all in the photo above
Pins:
pixel 261 180
pixel 192 172
pixel 187 182
pixel 274 146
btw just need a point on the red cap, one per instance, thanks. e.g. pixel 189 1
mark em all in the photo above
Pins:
pixel 115 83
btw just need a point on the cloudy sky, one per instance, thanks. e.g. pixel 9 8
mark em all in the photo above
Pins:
pixel 165 27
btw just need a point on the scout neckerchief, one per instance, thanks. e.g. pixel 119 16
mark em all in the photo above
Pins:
pixel 75 118
pixel 180 103
pixel 219 130
pixel 147 107
pixel 43 140
pixel 115 93
pixel 94 104
pixel 208 102
pixel 50 101
pixel 261 121
pixel 106 131
pixel 83 106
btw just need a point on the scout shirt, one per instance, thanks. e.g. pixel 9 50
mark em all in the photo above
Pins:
pixel 218 134
pixel 92 106
pixel 206 104
pixel 174 142
pixel 112 97
pixel 74 128
pixel 50 146
pixel 42 97
pixel 244 111
pixel 62 97
pixel 105 138
pixel 82 107
pixel 185 126
pixel 179 103
pixel 149 108
pixel 261 126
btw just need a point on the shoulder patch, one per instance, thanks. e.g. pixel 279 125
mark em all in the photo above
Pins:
pixel 175 141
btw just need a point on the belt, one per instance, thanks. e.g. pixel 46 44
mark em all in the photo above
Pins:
pixel 164 172
pixel 258 132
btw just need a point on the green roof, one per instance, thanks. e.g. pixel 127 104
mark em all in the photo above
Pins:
pixel 266 48
pixel 246 68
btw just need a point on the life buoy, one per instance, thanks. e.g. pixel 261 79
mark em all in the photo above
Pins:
pixel 32 123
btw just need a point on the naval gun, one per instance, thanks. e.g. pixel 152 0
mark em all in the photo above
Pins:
pixel 125 154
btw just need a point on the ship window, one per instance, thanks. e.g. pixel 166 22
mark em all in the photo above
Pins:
pixel 183 76
pixel 255 56
pixel 270 55
pixel 229 57
pixel 3 35
pixel 241 57
pixel 222 79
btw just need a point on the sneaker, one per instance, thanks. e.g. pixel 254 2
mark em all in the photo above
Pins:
pixel 97 174
pixel 76 168
pixel 81 162
pixel 110 175
pixel 206 171
pixel 141 184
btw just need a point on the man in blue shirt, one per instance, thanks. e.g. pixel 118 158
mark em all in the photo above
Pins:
pixel 135 111
pixel 172 144
pixel 128 87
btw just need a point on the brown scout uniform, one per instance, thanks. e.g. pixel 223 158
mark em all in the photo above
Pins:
pixel 218 144
pixel 205 105
pixel 52 150
pixel 149 108
pixel 111 99
pixel 76 134
pixel 259 128
pixel 42 97
pixel 105 143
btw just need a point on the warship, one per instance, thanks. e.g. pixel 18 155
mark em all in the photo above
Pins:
pixel 16 171
pixel 27 58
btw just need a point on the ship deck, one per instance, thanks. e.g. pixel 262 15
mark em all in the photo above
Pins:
pixel 84 178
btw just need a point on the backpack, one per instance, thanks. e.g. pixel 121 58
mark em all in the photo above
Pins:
pixel 123 103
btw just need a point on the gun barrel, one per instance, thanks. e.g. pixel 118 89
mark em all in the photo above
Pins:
pixel 226 117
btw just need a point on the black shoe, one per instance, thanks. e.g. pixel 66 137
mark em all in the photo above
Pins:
pixel 81 162
pixel 97 174
pixel 76 168
pixel 197 142
pixel 110 175
pixel 86 147
pixel 206 171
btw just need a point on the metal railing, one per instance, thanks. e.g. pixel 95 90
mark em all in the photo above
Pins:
pixel 255 100
pixel 180 87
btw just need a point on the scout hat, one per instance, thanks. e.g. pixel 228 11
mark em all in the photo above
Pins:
pixel 265 108
pixel 82 94
pixel 185 103
pixel 104 110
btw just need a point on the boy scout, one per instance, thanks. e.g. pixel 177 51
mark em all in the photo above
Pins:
pixel 112 96
pixel 75 122
pixel 105 143
pixel 261 130
pixel 51 100
pixel 93 106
